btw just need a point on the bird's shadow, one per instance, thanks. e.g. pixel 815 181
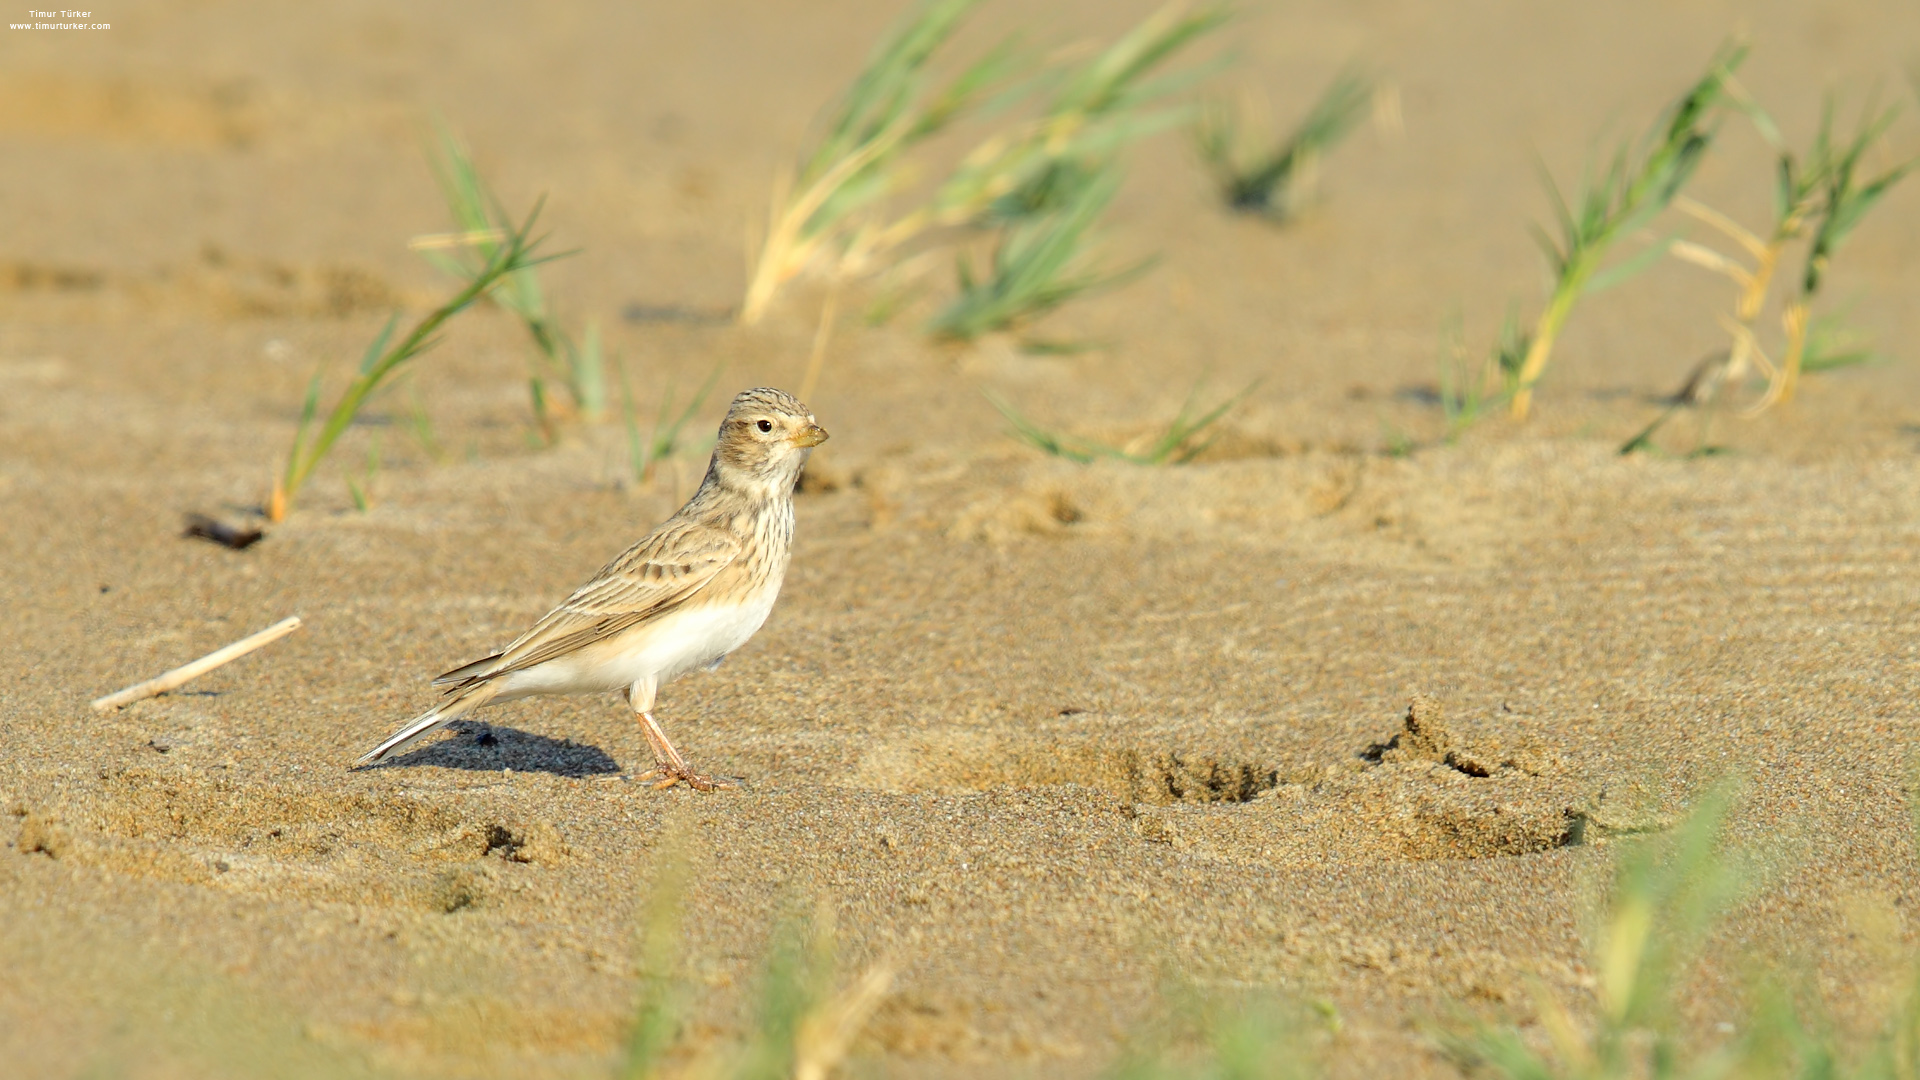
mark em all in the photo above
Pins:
pixel 481 747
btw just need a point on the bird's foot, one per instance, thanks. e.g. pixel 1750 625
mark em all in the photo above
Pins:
pixel 666 775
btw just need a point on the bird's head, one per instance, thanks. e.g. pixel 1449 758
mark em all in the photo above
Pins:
pixel 765 439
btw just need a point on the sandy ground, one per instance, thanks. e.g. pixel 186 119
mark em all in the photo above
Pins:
pixel 1049 738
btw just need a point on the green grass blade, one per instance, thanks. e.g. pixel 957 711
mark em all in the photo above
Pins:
pixel 1629 268
pixel 1643 439
pixel 1624 197
pixel 883 89
pixel 477 212
pixel 460 184
pixel 1266 185
pixel 667 439
pixel 965 91
pixel 1038 437
pixel 1174 445
pixel 1037 265
pixel 378 347
pixel 537 395
pixel 1181 432
pixel 1106 83
pixel 590 373
pixel 855 162
pixel 1830 345
pixel 445 263
pixel 1459 392
pixel 420 426
pixel 1845 206
pixel 636 447
pixel 308 410
pixel 1097 108
pixel 659 999
pixel 877 107
pixel 373 372
pixel 1559 254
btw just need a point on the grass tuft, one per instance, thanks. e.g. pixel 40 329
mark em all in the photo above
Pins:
pixel 484 227
pixel 1278 182
pixel 802 1030
pixel 419 425
pixel 855 163
pixel 1045 164
pixel 1037 182
pixel 1241 1038
pixel 1471 392
pixel 1178 444
pixel 1040 260
pixel 660 997
pixel 360 489
pixel 1634 187
pixel 515 252
pixel 1846 197
pixel 663 438
pixel 1042 185
pixel 1819 198
pixel 1667 896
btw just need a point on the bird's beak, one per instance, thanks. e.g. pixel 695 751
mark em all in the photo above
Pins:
pixel 813 435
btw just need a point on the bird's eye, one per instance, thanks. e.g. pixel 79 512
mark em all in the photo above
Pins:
pixel 764 425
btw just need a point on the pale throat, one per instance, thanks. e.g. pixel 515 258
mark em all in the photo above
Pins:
pixel 768 484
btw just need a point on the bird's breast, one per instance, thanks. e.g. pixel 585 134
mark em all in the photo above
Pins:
pixel 690 637
pixel 661 649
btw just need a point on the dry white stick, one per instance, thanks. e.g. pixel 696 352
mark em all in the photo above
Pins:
pixel 180 676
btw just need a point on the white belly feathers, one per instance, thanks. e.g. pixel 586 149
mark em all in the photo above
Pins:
pixel 661 650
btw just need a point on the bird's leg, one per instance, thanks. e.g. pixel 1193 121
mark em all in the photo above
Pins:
pixel 664 755
pixel 639 698
pixel 669 768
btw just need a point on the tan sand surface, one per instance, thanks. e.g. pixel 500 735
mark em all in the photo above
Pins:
pixel 1048 737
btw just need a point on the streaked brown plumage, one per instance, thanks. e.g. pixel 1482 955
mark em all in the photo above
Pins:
pixel 692 591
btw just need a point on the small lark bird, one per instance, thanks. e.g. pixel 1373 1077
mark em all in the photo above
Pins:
pixel 683 598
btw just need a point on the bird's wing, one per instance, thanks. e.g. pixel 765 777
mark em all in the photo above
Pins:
pixel 465 671
pixel 655 575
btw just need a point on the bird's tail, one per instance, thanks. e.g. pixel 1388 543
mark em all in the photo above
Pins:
pixel 459 705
